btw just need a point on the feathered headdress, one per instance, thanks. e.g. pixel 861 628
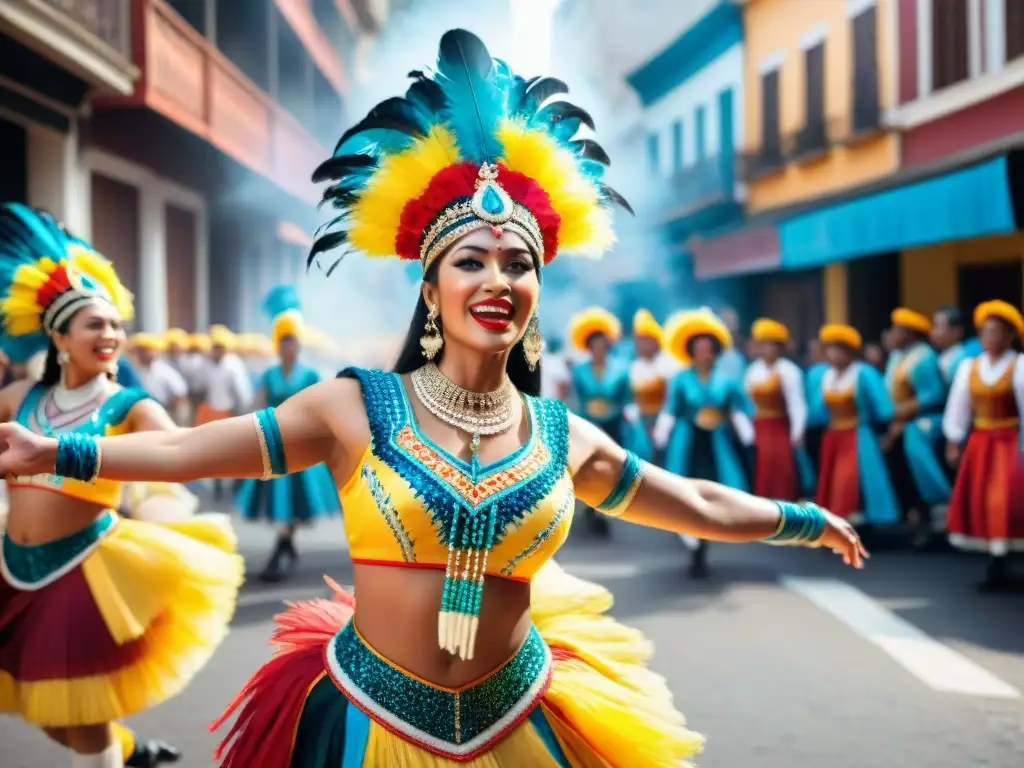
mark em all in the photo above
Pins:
pixel 46 275
pixel 283 306
pixel 469 146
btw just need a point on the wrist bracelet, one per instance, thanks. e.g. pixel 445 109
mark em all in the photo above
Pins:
pixel 798 524
pixel 78 457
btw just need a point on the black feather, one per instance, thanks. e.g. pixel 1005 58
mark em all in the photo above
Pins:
pixel 539 92
pixel 558 111
pixel 401 110
pixel 590 150
pixel 428 96
pixel 379 123
pixel 326 243
pixel 338 167
pixel 610 194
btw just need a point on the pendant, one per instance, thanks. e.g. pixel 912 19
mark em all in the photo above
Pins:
pixel 469 542
pixel 491 203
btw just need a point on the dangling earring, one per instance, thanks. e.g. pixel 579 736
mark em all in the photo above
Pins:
pixel 112 371
pixel 63 358
pixel 431 340
pixel 532 343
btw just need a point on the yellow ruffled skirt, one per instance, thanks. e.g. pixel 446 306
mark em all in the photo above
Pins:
pixel 597 707
pixel 92 631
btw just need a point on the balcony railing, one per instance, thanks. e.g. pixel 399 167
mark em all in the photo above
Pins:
pixel 106 19
pixel 809 140
pixel 706 182
pixel 761 161
pixel 186 79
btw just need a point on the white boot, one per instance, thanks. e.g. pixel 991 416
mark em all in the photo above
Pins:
pixel 111 757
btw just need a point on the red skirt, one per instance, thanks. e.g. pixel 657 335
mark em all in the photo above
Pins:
pixel 775 476
pixel 983 511
pixel 838 478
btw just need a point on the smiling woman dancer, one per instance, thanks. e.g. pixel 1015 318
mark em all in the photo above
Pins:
pixel 100 618
pixel 457 482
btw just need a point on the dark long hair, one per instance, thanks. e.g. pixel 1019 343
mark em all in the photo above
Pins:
pixel 411 357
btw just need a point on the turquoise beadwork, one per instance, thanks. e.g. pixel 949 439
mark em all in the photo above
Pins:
pixel 32 565
pixel 390 695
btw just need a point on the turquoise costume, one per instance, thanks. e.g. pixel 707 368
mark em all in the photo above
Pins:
pixel 702 444
pixel 914 374
pixel 603 401
pixel 950 360
pixel 297 498
pixel 862 409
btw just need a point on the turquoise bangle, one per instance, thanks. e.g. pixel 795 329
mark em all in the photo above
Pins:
pixel 78 457
pixel 625 489
pixel 798 524
pixel 271 443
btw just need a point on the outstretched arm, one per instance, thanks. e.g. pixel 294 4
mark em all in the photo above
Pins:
pixel 313 427
pixel 700 508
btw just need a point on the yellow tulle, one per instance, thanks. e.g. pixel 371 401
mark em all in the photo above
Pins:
pixel 606 709
pixel 171 588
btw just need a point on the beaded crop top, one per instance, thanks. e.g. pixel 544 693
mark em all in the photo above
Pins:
pixel 411 503
pixel 107 420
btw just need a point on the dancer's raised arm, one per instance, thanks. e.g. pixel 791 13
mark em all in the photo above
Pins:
pixel 305 430
pixel 617 483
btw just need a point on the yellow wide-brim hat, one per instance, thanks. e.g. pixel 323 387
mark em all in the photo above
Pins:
pixel 683 327
pixel 151 341
pixel 644 324
pixel 199 342
pixel 766 329
pixel 221 336
pixel 911 320
pixel 593 320
pixel 838 333
pixel 177 337
pixel 1002 311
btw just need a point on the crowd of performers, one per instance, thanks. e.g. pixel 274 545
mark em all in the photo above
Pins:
pixel 924 440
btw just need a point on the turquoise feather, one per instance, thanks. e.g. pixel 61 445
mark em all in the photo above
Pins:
pixel 281 299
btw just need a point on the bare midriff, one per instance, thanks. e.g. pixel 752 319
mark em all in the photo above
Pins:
pixel 396 613
pixel 38 516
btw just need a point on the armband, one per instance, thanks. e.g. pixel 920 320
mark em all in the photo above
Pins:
pixel 271 444
pixel 625 489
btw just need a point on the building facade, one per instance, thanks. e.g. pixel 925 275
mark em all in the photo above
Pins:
pixel 961 109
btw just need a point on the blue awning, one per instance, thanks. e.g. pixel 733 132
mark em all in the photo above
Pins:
pixel 972 202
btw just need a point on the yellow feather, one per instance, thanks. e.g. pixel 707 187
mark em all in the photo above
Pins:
pixel 586 226
pixel 401 178
pixel 97 267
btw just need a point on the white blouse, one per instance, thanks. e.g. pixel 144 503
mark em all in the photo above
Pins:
pixel 957 419
pixel 791 379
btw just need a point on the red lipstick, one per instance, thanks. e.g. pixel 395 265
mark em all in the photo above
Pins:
pixel 493 314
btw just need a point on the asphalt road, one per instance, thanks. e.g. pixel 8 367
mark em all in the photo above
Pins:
pixel 784 658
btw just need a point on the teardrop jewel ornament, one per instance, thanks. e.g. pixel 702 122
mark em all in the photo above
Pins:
pixel 490 202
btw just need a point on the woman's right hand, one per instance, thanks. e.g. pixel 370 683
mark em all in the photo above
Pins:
pixel 23 452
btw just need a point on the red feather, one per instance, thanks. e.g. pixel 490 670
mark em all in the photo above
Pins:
pixel 54 287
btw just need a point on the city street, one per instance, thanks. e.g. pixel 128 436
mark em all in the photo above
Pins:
pixel 919 671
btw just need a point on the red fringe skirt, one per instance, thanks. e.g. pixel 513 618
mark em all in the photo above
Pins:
pixel 775 476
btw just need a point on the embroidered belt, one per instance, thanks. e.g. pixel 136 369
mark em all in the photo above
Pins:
pixel 458 724
pixel 599 408
pixel 29 568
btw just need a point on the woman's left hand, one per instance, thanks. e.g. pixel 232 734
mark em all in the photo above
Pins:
pixel 842 539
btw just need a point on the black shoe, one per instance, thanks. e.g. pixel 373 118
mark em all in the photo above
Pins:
pixel 151 753
pixel 698 569
pixel 276 570
pixel 997 577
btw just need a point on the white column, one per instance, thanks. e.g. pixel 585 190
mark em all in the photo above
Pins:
pixel 56 180
pixel 151 301
pixel 974 36
pixel 924 48
pixel 202 318
pixel 995 35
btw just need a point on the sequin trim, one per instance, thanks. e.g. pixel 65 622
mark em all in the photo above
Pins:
pixel 383 501
pixel 30 568
pixel 565 508
pixel 457 724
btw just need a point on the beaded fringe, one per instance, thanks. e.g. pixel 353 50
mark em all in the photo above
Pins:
pixel 469 543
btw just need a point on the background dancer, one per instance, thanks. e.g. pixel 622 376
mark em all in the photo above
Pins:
pixel 100 618
pixel 704 406
pixel 303 497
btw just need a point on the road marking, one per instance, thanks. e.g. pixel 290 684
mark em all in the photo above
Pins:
pixel 936 665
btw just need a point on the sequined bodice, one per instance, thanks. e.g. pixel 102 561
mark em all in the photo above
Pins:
pixel 400 501
pixel 995 405
pixel 108 419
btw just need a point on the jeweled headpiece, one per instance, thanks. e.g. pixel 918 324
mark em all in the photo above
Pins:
pixel 46 275
pixel 469 146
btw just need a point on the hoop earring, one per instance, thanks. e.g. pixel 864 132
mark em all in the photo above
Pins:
pixel 63 358
pixel 432 340
pixel 532 343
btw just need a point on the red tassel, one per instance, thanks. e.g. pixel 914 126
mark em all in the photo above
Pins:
pixel 270 704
